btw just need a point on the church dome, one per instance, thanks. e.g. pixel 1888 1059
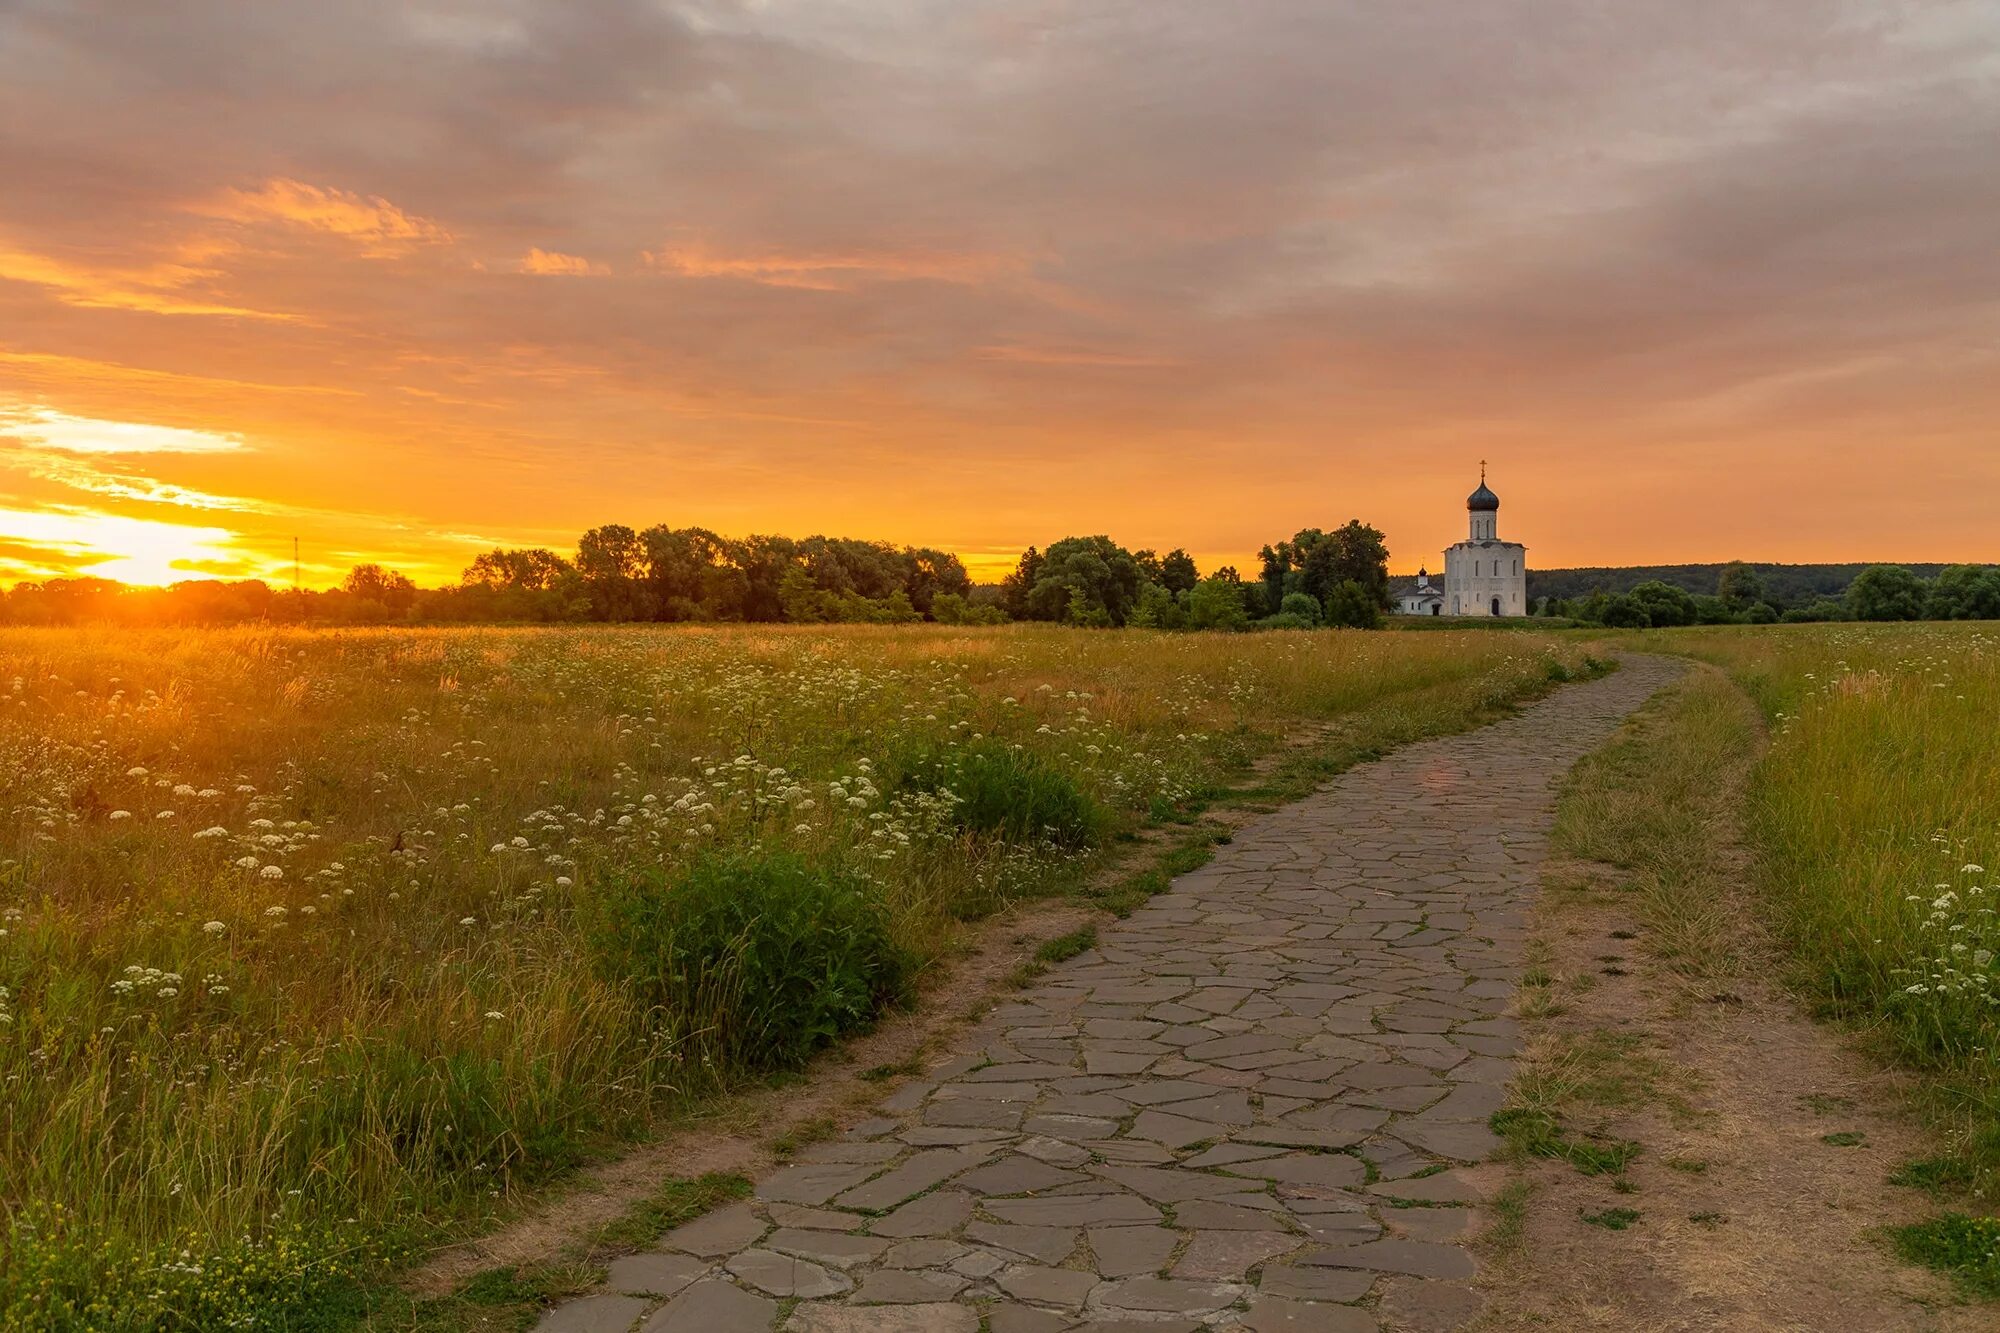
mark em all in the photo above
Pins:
pixel 1482 500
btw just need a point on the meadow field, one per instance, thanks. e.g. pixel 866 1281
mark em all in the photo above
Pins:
pixel 1876 817
pixel 318 948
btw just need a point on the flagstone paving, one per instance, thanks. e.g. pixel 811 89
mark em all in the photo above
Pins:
pixel 1246 1108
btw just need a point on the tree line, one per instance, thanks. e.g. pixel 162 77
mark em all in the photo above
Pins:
pixel 664 574
pixel 1785 585
pixel 1744 595
pixel 1317 578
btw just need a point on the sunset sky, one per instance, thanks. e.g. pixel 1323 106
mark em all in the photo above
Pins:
pixel 1702 278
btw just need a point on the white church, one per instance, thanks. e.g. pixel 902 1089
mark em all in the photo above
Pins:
pixel 1483 576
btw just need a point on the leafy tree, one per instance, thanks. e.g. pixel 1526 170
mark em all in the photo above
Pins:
pixel 1965 592
pixel 764 561
pixel 612 562
pixel 1353 553
pixel 1217 603
pixel 1086 581
pixel 1624 612
pixel 1277 567
pixel 1712 610
pixel 1819 609
pixel 1019 586
pixel 1739 586
pixel 1664 603
pixel 1178 573
pixel 501 570
pixel 1352 604
pixel 804 602
pixel 1152 610
pixel 1886 592
pixel 386 587
pixel 679 569
pixel 933 574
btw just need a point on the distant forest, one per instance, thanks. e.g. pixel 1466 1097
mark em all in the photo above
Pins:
pixel 1742 593
pixel 1789 584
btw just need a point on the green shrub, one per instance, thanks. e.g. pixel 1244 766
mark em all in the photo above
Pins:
pixel 1009 793
pixel 1301 604
pixel 761 959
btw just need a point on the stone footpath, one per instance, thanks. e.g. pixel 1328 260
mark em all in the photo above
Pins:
pixel 1244 1109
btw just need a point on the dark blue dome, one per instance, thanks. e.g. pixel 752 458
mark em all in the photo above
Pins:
pixel 1482 500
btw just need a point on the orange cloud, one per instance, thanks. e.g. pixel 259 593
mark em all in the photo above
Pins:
pixel 555 264
pixel 382 228
pixel 830 272
pixel 1072 356
pixel 152 289
pixel 48 429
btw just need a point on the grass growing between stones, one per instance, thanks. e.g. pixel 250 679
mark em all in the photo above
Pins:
pixel 298 926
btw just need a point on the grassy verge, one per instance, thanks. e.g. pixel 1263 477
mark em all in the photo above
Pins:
pixel 1638 821
pixel 1650 804
pixel 1876 818
pixel 511 1299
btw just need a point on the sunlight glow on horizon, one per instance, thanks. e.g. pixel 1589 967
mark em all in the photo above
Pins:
pixel 130 550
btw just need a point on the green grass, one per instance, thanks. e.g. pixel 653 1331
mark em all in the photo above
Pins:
pixel 1935 1175
pixel 1612 1219
pixel 1065 947
pixel 1539 1133
pixel 1966 1248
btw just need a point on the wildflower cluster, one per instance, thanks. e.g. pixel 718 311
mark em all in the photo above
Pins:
pixel 1956 927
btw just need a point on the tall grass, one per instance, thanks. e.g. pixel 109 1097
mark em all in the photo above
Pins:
pixel 295 927
pixel 1877 811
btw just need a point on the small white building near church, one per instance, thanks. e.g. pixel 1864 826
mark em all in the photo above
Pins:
pixel 1484 576
pixel 1425 599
